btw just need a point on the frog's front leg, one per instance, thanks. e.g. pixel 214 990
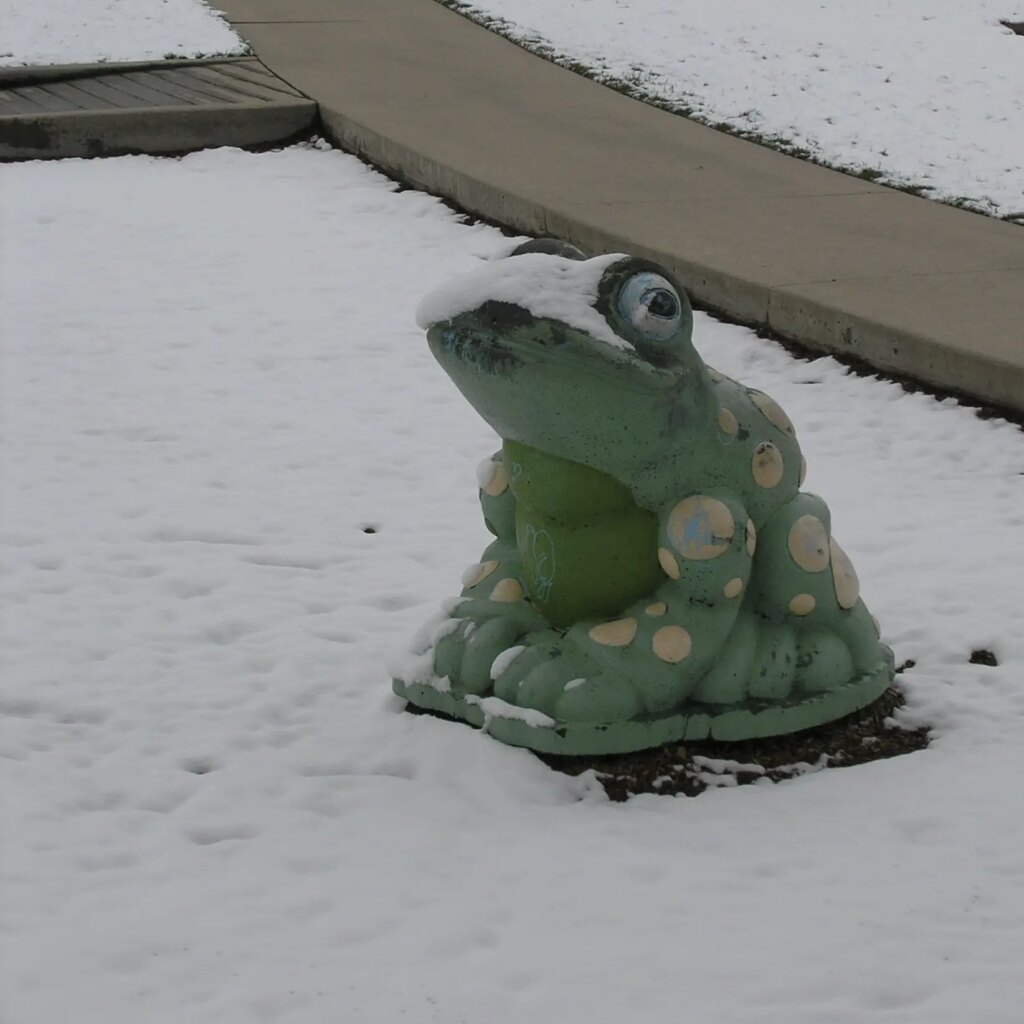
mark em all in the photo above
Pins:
pixel 652 656
pixel 494 610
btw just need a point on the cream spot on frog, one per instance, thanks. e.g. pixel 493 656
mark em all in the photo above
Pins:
pixel 808 544
pixel 671 643
pixel 733 588
pixel 701 528
pixel 668 562
pixel 802 604
pixel 751 538
pixel 767 465
pixel 657 609
pixel 772 412
pixel 727 421
pixel 616 633
pixel 477 573
pixel 844 577
pixel 507 590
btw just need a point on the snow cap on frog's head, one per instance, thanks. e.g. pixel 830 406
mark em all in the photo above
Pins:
pixel 549 286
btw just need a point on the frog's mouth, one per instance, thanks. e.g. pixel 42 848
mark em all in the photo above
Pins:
pixel 502 340
pixel 484 351
pixel 509 361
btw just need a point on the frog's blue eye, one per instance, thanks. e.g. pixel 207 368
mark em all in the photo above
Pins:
pixel 650 305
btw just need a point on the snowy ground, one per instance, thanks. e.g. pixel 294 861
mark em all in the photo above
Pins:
pixel 213 809
pixel 86 31
pixel 929 92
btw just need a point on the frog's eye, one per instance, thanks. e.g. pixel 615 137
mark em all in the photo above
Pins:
pixel 650 305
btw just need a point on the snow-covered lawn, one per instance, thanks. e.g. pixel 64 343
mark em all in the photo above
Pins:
pixel 928 92
pixel 214 811
pixel 86 31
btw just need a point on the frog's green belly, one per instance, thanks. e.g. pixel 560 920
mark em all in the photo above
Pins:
pixel 586 572
pixel 587 550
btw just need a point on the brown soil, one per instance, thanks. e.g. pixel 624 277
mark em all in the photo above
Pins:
pixel 689 768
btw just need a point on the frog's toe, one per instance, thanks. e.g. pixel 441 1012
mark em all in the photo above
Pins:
pixel 480 649
pixel 449 648
pixel 542 688
pixel 823 661
pixel 508 680
pixel 601 699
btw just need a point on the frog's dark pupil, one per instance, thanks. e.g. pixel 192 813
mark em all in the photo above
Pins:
pixel 662 304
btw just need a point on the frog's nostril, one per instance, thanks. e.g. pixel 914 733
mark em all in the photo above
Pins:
pixel 505 315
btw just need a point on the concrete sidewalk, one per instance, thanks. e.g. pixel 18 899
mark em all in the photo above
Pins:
pixel 906 284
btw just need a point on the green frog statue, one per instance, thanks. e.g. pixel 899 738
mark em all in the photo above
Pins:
pixel 656 574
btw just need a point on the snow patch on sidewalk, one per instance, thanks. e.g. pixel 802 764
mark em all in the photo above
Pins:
pixel 926 93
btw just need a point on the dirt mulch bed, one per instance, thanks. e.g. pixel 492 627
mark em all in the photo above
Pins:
pixel 688 769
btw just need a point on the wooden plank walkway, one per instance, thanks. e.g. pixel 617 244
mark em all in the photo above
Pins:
pixel 107 110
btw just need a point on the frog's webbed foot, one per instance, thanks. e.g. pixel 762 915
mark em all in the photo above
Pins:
pixel 552 674
pixel 492 613
pixel 493 610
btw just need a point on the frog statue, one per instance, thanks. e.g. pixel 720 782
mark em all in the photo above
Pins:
pixel 656 574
